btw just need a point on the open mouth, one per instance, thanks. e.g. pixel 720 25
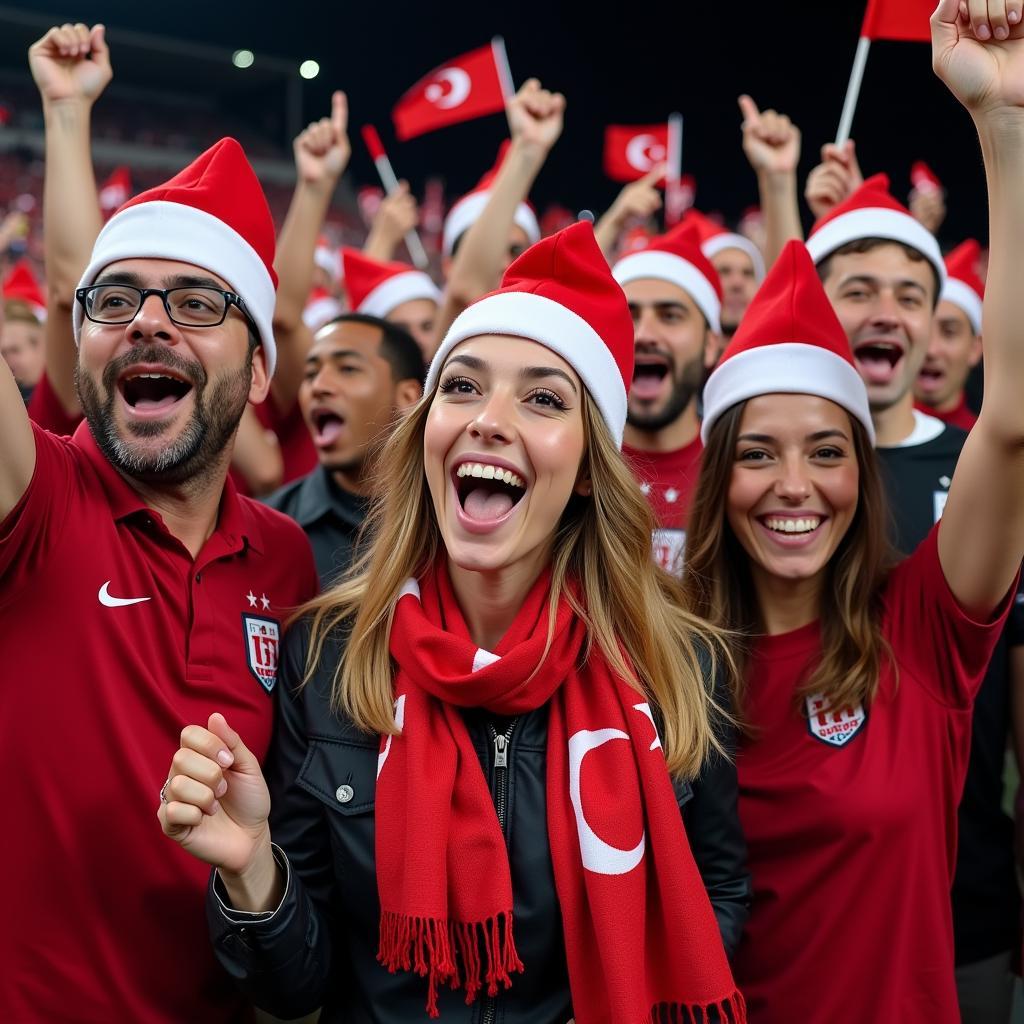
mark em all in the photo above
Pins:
pixel 487 492
pixel 649 373
pixel 877 360
pixel 152 392
pixel 327 426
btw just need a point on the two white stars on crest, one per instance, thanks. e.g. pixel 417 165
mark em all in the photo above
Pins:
pixel 263 599
pixel 671 495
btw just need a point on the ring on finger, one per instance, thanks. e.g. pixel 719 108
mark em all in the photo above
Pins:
pixel 163 791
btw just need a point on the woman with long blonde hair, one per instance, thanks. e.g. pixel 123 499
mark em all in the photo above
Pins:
pixel 491 731
pixel 856 677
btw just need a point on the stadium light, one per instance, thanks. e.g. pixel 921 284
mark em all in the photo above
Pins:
pixel 309 69
pixel 243 58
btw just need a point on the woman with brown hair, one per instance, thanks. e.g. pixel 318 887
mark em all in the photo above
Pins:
pixel 448 796
pixel 856 678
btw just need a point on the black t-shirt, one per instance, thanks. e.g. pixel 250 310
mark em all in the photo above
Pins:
pixel 986 898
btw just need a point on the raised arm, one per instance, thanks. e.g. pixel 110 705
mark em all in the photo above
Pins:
pixel 639 200
pixel 981 536
pixel 771 143
pixel 321 156
pixel 396 216
pixel 536 118
pixel 71 68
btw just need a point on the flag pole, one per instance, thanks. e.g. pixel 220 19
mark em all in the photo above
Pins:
pixel 675 169
pixel 508 86
pixel 390 183
pixel 853 90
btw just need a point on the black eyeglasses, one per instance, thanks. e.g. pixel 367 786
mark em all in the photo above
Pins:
pixel 191 306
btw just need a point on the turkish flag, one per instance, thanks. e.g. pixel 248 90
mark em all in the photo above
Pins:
pixel 466 87
pixel 630 151
pixel 905 20
pixel 116 190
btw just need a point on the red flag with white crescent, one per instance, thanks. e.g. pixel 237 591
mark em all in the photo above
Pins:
pixel 464 88
pixel 905 20
pixel 115 191
pixel 630 151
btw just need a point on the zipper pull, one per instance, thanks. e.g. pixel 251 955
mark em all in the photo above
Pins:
pixel 500 751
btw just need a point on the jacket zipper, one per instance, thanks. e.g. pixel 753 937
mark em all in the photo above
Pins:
pixel 501 743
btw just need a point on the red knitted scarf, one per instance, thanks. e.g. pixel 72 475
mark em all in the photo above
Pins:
pixel 642 944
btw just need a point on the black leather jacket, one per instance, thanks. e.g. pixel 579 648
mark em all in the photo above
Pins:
pixel 319 947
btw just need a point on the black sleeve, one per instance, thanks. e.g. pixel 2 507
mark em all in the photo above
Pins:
pixel 282 960
pixel 712 823
pixel 1014 629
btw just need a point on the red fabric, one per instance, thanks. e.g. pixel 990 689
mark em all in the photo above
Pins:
pixel 45 409
pixel 20 283
pixel 790 306
pixel 873 194
pixel 963 262
pixel 668 480
pixel 641 939
pixel 961 416
pixel 115 191
pixel 362 274
pixel 852 847
pixel 460 90
pixel 684 241
pixel 923 178
pixel 905 20
pixel 297 450
pixel 706 227
pixel 222 183
pixel 630 151
pixel 100 902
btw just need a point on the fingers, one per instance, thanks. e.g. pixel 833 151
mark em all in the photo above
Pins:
pixel 208 743
pixel 748 108
pixel 654 175
pixel 242 758
pixel 178 819
pixel 977 13
pixel 184 790
pixel 339 112
pixel 538 101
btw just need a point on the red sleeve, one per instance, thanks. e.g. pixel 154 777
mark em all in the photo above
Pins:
pixel 45 409
pixel 942 648
pixel 297 451
pixel 33 527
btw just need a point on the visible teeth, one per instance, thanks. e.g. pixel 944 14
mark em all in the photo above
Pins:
pixel 793 525
pixel 479 470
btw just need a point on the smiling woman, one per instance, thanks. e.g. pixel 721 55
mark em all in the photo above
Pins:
pixel 505 626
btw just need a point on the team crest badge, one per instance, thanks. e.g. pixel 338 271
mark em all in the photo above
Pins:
pixel 262 642
pixel 836 728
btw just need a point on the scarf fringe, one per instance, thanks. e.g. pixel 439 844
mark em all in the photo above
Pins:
pixel 434 947
pixel 731 1010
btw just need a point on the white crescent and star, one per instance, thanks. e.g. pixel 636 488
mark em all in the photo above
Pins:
pixel 458 85
pixel 644 151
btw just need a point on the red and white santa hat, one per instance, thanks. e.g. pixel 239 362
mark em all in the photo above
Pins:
pixel 212 214
pixel 964 286
pixel 376 288
pixel 21 285
pixel 790 342
pixel 676 257
pixel 561 294
pixel 872 212
pixel 466 211
pixel 714 238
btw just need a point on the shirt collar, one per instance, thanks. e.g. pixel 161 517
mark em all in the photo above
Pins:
pixel 320 497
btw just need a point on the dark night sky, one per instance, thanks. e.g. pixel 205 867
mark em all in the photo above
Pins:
pixel 627 62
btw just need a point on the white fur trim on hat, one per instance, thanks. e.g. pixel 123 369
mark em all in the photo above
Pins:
pixel 174 231
pixel 398 289
pixel 527 315
pixel 876 222
pixel 728 240
pixel 468 209
pixel 666 266
pixel 964 296
pixel 791 368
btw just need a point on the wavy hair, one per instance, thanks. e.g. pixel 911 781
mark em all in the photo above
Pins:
pixel 633 610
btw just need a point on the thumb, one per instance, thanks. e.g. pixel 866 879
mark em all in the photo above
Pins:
pixel 749 109
pixel 98 44
pixel 244 759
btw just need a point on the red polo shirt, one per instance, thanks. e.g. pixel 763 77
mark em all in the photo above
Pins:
pixel 44 408
pixel 113 638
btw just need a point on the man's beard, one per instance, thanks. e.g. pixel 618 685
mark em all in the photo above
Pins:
pixel 686 387
pixel 195 453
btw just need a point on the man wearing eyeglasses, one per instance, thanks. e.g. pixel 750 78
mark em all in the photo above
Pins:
pixel 138 592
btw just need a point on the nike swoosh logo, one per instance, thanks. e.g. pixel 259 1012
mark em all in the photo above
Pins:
pixel 117 602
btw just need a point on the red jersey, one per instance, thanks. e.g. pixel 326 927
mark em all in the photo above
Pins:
pixel 961 416
pixel 850 817
pixel 668 479
pixel 44 408
pixel 297 450
pixel 113 639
